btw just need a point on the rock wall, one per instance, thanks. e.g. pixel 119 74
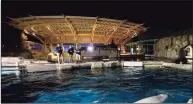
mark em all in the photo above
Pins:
pixel 170 47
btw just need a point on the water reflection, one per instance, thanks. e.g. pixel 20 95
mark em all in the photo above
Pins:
pixel 106 85
pixel 97 71
pixel 59 73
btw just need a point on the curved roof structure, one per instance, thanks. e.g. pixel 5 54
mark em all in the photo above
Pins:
pixel 78 29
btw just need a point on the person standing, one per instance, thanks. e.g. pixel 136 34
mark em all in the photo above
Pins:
pixel 71 52
pixel 78 55
pixel 62 47
pixel 59 51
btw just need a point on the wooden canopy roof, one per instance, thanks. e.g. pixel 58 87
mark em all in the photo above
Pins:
pixel 78 29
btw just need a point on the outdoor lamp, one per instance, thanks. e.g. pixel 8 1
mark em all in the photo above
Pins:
pixel 90 48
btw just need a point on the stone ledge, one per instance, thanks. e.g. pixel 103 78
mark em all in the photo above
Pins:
pixel 187 67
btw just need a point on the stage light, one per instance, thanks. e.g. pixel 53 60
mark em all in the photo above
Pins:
pixel 90 48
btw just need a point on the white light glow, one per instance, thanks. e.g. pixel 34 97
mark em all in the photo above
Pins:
pixel 90 48
pixel 26 31
pixel 34 34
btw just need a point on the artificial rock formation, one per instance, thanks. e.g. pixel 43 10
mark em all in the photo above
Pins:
pixel 171 47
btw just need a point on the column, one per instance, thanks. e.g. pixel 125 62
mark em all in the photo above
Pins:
pixel 122 48
pixel 50 47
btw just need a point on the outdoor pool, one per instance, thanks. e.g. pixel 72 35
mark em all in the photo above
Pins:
pixel 109 86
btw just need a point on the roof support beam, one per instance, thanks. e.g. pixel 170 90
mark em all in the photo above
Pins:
pixel 14 19
pixel 115 29
pixel 33 35
pixel 129 37
pixel 41 22
pixel 24 29
pixel 93 30
pixel 35 32
pixel 72 29
pixel 110 31
pixel 129 30
pixel 48 26
pixel 124 35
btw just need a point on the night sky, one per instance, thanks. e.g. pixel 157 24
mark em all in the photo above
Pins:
pixel 161 17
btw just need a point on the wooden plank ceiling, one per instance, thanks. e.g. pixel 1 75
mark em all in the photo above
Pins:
pixel 78 29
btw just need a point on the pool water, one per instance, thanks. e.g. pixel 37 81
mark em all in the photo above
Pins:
pixel 95 86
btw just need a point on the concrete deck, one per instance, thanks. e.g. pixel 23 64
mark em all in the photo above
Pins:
pixel 187 67
pixel 161 64
pixel 39 66
pixel 153 64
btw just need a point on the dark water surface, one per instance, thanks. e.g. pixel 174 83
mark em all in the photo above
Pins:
pixel 109 86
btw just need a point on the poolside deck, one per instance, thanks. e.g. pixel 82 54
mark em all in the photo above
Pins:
pixel 40 66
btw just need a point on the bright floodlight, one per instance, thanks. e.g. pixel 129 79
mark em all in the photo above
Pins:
pixel 90 48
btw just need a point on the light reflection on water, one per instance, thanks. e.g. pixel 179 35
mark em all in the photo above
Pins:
pixel 101 86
